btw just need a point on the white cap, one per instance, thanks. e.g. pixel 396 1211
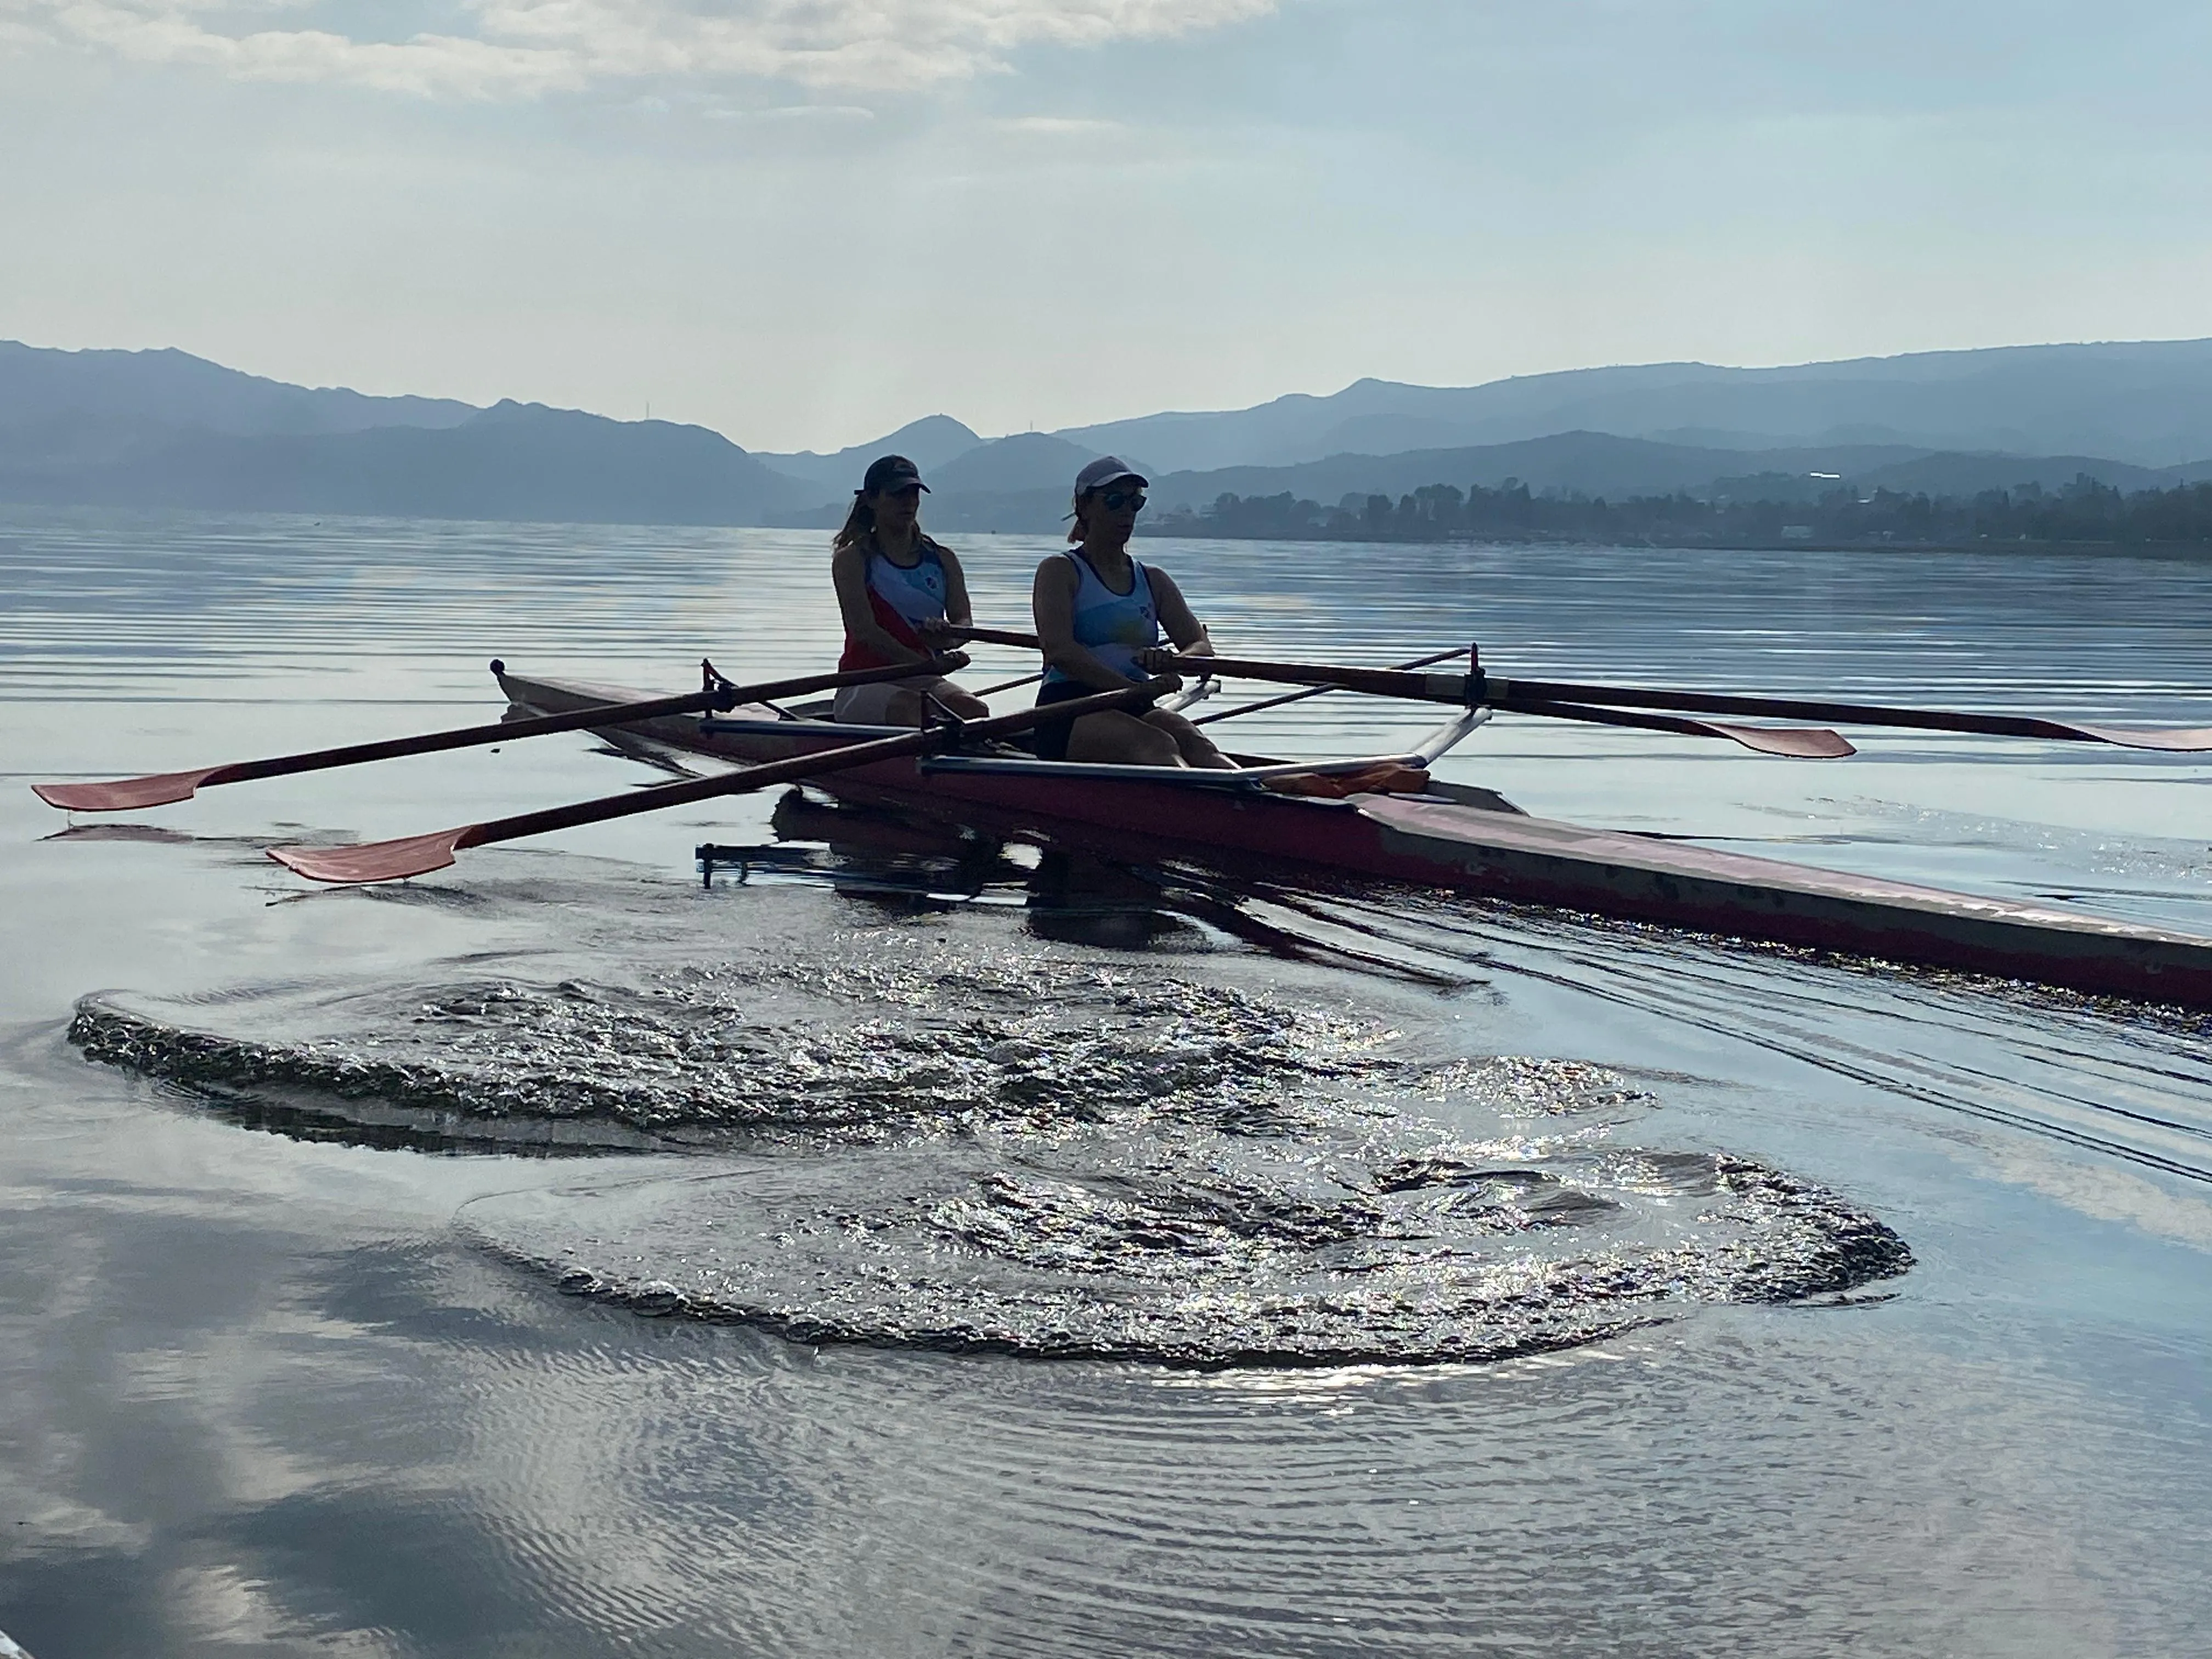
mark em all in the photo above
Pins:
pixel 1105 471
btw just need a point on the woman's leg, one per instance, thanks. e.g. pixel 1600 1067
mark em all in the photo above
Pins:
pixel 1113 738
pixel 965 704
pixel 906 706
pixel 1195 748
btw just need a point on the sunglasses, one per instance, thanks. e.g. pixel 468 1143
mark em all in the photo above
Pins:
pixel 1115 500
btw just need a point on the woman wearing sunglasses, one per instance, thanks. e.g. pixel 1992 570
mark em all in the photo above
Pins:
pixel 898 592
pixel 1099 618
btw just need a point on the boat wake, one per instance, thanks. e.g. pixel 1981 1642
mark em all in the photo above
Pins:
pixel 1196 1251
pixel 912 1141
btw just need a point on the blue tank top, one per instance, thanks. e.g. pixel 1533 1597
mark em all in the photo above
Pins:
pixel 1113 626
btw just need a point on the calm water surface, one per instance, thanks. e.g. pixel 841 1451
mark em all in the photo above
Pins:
pixel 925 1247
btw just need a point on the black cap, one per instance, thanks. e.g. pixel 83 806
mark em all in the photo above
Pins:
pixel 891 472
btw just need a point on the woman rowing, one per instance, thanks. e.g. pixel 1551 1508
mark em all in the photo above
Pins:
pixel 900 593
pixel 1099 615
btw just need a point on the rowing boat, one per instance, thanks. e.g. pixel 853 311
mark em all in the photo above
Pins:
pixel 1446 835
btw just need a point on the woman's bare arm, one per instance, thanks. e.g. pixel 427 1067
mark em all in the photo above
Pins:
pixel 958 612
pixel 1177 620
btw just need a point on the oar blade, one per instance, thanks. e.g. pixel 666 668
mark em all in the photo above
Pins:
pixel 2174 739
pixel 374 860
pixel 1791 742
pixel 125 794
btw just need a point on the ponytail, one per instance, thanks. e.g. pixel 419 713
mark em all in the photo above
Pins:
pixel 859 524
pixel 1076 532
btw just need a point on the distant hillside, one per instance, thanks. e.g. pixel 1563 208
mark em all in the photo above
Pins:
pixel 929 443
pixel 133 392
pixel 1026 461
pixel 520 461
pixel 2146 403
pixel 165 428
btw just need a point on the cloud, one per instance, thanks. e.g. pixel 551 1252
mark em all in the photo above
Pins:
pixel 1058 126
pixel 526 48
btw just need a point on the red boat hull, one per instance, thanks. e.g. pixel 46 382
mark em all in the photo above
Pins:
pixel 1500 854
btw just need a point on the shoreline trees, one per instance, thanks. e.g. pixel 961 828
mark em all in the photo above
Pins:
pixel 2085 511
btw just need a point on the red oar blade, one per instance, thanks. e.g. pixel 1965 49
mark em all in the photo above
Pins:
pixel 374 860
pixel 125 794
pixel 1792 741
pixel 2179 739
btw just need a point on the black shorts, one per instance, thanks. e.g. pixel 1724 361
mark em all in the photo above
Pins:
pixel 1050 740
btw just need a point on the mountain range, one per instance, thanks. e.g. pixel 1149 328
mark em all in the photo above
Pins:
pixel 163 428
pixel 2147 402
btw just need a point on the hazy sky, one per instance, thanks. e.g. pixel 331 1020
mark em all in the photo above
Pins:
pixel 803 222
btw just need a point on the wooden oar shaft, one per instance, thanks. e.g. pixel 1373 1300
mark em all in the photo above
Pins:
pixel 577 719
pixel 1322 691
pixel 418 854
pixel 1375 682
pixel 466 737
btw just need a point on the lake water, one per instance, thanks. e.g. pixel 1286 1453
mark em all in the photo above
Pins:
pixel 923 1248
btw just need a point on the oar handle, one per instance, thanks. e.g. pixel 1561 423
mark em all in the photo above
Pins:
pixel 1000 636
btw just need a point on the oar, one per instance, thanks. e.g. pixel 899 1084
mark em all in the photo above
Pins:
pixel 1322 691
pixel 1794 743
pixel 1491 688
pixel 1476 690
pixel 160 789
pixel 2180 739
pixel 416 855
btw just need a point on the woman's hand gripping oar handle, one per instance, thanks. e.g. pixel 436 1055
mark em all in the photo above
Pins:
pixel 416 855
pixel 125 794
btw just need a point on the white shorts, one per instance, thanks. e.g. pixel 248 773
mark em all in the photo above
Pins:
pixel 870 705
